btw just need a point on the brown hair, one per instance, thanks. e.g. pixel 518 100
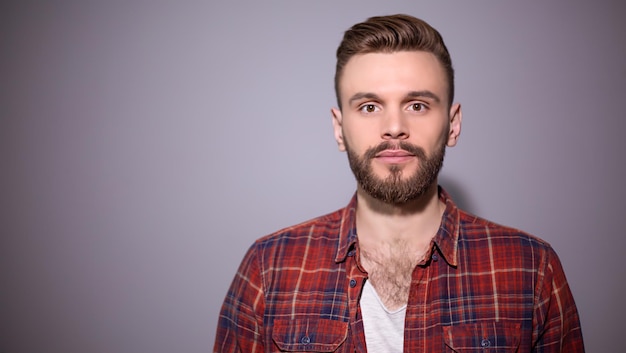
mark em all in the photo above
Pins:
pixel 388 34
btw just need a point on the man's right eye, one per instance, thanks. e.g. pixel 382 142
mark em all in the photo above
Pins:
pixel 368 108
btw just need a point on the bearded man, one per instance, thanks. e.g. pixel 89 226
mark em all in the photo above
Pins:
pixel 401 268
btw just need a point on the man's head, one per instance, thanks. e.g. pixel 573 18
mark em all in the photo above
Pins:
pixel 394 84
pixel 388 34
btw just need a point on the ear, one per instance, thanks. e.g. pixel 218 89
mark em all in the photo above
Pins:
pixel 456 116
pixel 338 128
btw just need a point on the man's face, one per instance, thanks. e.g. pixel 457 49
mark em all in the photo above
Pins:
pixel 395 122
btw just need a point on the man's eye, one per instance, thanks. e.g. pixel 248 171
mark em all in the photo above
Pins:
pixel 418 107
pixel 368 108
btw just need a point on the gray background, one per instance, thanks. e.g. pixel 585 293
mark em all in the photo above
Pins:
pixel 145 145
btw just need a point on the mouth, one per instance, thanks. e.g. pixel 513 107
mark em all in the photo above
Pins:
pixel 394 153
pixel 395 156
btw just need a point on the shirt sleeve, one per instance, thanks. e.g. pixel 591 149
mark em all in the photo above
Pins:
pixel 240 324
pixel 557 324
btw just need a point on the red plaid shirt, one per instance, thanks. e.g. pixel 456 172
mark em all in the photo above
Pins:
pixel 483 287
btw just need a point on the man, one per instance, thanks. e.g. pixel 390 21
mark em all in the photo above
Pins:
pixel 401 268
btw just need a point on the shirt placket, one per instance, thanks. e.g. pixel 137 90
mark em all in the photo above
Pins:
pixel 417 312
pixel 355 281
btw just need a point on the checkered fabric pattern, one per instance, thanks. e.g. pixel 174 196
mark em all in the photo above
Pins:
pixel 482 288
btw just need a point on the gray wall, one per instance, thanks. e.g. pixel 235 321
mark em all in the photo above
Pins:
pixel 145 145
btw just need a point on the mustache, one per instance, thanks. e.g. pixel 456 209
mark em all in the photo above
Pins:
pixel 401 145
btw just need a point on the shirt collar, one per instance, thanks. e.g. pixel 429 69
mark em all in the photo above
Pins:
pixel 446 239
pixel 347 231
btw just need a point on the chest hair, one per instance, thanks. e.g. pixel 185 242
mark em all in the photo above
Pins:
pixel 390 268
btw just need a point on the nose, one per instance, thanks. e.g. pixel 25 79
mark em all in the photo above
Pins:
pixel 394 126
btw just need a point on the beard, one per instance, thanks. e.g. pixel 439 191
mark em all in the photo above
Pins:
pixel 394 189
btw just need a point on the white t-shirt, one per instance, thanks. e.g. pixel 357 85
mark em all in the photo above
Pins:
pixel 384 329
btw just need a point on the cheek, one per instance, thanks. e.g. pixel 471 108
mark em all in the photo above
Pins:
pixel 445 134
pixel 360 127
pixel 426 133
pixel 356 137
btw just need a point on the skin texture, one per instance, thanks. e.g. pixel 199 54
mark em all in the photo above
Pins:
pixel 397 100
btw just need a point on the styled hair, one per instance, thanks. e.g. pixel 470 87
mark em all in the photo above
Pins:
pixel 389 34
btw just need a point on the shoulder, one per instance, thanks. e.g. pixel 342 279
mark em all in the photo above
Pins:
pixel 303 254
pixel 476 232
pixel 320 238
pixel 514 257
pixel 474 227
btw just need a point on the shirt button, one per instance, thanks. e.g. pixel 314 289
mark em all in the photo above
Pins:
pixel 305 340
pixel 352 283
pixel 435 257
pixel 485 343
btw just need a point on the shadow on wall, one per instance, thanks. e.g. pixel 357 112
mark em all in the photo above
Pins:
pixel 459 195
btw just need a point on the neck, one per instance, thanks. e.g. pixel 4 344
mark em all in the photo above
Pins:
pixel 414 223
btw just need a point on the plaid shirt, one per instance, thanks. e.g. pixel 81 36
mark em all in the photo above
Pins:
pixel 482 287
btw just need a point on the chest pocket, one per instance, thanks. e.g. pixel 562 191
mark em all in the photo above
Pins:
pixel 309 335
pixel 484 337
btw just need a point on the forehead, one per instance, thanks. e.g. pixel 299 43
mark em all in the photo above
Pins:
pixel 393 73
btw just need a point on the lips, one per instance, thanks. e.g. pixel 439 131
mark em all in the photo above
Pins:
pixel 394 153
pixel 395 156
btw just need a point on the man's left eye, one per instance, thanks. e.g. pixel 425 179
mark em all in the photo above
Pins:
pixel 418 107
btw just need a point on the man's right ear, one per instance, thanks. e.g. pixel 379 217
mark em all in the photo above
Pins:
pixel 338 128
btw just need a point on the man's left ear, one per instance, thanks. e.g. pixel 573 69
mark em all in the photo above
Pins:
pixel 455 124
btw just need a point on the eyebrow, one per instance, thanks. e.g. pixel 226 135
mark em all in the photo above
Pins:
pixel 412 94
pixel 361 95
pixel 424 94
